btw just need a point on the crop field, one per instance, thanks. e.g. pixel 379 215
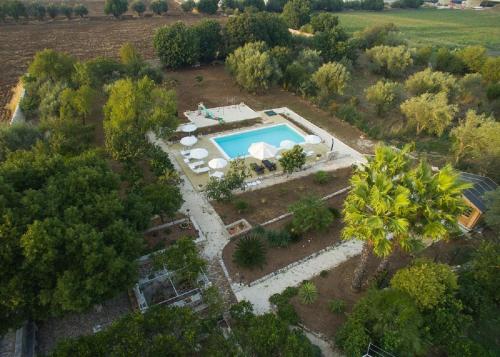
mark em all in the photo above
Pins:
pixel 435 27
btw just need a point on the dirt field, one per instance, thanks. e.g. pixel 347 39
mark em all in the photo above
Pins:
pixel 277 258
pixel 87 38
pixel 270 202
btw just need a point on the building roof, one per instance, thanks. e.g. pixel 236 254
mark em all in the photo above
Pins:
pixel 481 185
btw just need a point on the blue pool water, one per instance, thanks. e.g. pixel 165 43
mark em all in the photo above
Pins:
pixel 235 145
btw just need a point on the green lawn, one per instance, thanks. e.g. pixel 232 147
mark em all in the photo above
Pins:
pixel 436 27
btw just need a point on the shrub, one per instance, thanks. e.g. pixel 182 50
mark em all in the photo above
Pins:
pixel 115 7
pixel 183 39
pixel 293 159
pixel 188 5
pixel 422 55
pixel 330 79
pixel 378 35
pixel 296 13
pixel 389 61
pixel 16 9
pixel 66 10
pixel 286 312
pixel 336 306
pixel 80 10
pixel 295 234
pixel 207 6
pixel 308 293
pixel 324 21
pixel 250 252
pixel 211 41
pixel 335 212
pixel 138 6
pixel 323 273
pixel 52 10
pixel 491 70
pixel 322 177
pixel 36 10
pixel 241 206
pixel 309 214
pixel 448 61
pixel 384 95
pixel 159 6
pixel 428 81
pixel 493 91
pixel 275 5
pixel 281 238
pixel 473 57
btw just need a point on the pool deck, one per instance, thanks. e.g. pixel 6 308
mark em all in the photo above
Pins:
pixel 199 181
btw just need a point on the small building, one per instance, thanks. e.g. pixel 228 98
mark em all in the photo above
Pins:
pixel 474 198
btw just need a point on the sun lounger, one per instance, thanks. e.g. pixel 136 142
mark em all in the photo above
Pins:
pixel 269 165
pixel 195 164
pixel 185 153
pixel 309 153
pixel 259 169
pixel 201 170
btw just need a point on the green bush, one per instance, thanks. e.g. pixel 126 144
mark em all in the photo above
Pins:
pixel 188 5
pixel 448 61
pixel 280 238
pixel 350 114
pixel 323 273
pixel 309 214
pixel 138 6
pixel 159 6
pixel 250 252
pixel 180 37
pixel 493 91
pixel 336 306
pixel 322 177
pixel 115 7
pixel 241 206
pixel 294 233
pixel 335 212
pixel 293 159
pixel 207 6
pixel 308 293
pixel 80 10
pixel 285 309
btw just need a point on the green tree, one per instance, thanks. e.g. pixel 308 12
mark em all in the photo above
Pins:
pixel 429 112
pixel 52 65
pixel 177 45
pixel 394 204
pixel 188 5
pixel 378 35
pixel 476 143
pixel 138 6
pixel 52 10
pixel 310 214
pixel 324 21
pixel 492 215
pixel 80 10
pixel 66 10
pixel 389 319
pixel 252 27
pixel 207 6
pixel 222 189
pixel 16 9
pixel 17 137
pixel 335 45
pixel 428 81
pixel 448 61
pixel 133 109
pixel 97 71
pixel 36 10
pixel 211 40
pixel 158 6
pixel 297 13
pixel 389 61
pixel 384 95
pixel 253 67
pixel 330 79
pixel 491 69
pixel 131 59
pixel 473 57
pixel 165 200
pixel 275 5
pixel 293 159
pixel 115 7
pixel 426 282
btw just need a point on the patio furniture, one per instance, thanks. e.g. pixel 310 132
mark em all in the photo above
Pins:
pixel 201 170
pixel 271 166
pixel 259 169
pixel 309 153
pixel 195 164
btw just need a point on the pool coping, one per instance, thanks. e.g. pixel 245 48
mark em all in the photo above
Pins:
pixel 223 152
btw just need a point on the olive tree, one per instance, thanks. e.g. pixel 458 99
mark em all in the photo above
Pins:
pixel 158 6
pixel 428 81
pixel 52 10
pixel 138 6
pixel 80 10
pixel 429 112
pixel 115 7
pixel 330 79
pixel 384 95
pixel 253 67
pixel 177 45
pixel 389 61
pixel 296 13
pixel 293 159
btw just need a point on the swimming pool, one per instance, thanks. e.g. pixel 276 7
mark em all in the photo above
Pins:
pixel 237 144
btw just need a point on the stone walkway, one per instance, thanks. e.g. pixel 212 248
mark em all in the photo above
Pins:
pixel 259 294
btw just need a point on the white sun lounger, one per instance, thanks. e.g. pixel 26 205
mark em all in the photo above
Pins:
pixel 201 170
pixel 195 164
pixel 309 153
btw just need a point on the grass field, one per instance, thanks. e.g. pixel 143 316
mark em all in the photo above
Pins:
pixel 435 27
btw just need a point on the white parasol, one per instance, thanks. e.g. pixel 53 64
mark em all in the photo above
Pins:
pixel 217 163
pixel 198 154
pixel 262 150
pixel 287 144
pixel 188 128
pixel 189 140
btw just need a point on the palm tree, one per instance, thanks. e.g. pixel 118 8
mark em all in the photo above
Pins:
pixel 392 204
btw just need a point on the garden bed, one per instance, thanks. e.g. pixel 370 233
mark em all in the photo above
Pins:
pixel 277 258
pixel 165 237
pixel 272 201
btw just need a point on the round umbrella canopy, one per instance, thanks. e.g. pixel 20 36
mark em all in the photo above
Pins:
pixel 189 140
pixel 262 150
pixel 313 139
pixel 287 144
pixel 198 154
pixel 217 163
pixel 218 174
pixel 188 128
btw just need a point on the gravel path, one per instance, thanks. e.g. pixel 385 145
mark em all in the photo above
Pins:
pixel 259 293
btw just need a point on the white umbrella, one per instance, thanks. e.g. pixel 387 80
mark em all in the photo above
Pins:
pixel 198 154
pixel 262 150
pixel 217 163
pixel 287 144
pixel 217 174
pixel 189 140
pixel 188 128
pixel 312 139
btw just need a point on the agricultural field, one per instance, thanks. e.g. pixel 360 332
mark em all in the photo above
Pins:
pixel 434 27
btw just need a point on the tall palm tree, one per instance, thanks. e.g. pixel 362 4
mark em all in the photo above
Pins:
pixel 393 204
